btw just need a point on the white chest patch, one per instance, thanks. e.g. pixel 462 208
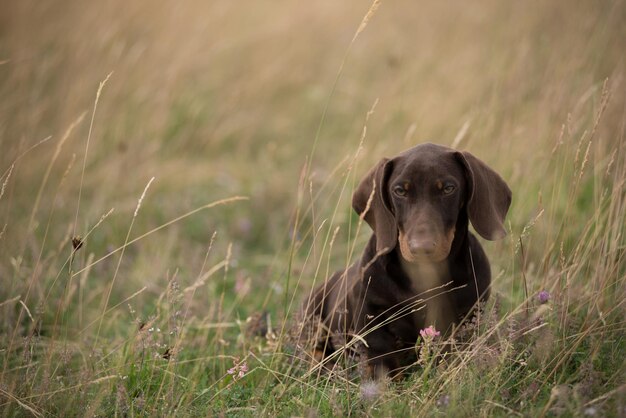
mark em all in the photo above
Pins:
pixel 426 276
pixel 428 280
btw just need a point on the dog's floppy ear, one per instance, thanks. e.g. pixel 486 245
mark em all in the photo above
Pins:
pixel 370 201
pixel 488 197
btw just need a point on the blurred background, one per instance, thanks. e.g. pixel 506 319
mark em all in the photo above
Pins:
pixel 269 100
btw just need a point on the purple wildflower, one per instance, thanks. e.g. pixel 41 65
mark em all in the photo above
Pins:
pixel 543 297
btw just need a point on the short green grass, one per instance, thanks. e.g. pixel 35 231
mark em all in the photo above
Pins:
pixel 179 293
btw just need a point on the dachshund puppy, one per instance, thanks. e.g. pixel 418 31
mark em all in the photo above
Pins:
pixel 421 266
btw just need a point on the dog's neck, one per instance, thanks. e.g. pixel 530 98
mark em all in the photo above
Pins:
pixel 426 276
pixel 429 280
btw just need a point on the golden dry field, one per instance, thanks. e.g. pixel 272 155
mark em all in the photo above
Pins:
pixel 176 176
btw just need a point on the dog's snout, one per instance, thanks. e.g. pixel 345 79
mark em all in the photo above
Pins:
pixel 424 240
pixel 421 240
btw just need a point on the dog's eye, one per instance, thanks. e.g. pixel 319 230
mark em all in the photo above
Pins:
pixel 448 189
pixel 399 190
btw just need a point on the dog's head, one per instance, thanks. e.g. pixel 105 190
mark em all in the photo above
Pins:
pixel 415 200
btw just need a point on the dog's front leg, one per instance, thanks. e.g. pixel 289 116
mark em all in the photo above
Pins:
pixel 382 356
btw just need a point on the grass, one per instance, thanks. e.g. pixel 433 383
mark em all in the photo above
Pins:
pixel 206 186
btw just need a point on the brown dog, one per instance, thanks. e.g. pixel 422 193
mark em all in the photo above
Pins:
pixel 419 205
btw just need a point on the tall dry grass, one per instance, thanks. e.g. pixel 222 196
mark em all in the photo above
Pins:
pixel 118 302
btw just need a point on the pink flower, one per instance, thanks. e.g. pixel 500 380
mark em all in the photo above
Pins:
pixel 243 369
pixel 429 333
pixel 239 370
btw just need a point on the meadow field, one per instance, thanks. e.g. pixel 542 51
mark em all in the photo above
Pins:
pixel 176 176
